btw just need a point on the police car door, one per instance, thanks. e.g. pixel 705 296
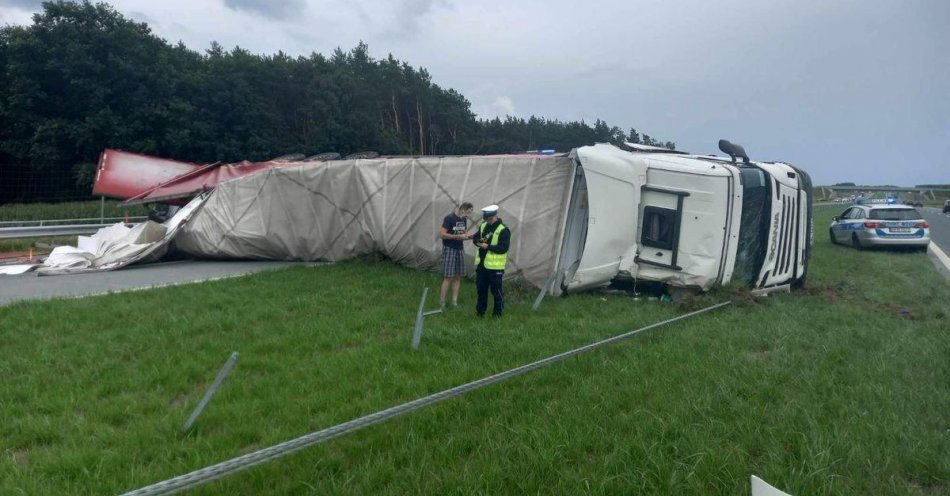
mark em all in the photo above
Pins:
pixel 854 222
pixel 840 228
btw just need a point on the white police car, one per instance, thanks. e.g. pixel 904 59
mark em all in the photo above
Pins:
pixel 864 226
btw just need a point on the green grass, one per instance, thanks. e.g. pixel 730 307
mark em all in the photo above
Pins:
pixel 24 244
pixel 841 388
pixel 68 210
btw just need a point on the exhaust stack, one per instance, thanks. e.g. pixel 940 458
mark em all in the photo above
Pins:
pixel 733 150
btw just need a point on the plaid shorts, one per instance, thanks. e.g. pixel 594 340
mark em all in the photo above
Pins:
pixel 453 262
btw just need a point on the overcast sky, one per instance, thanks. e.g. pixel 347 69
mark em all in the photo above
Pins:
pixel 849 90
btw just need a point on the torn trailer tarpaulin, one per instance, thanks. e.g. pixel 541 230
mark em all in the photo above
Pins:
pixel 206 178
pixel 139 178
pixel 118 245
pixel 122 174
pixel 394 206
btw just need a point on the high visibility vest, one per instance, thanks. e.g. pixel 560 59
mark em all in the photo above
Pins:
pixel 493 261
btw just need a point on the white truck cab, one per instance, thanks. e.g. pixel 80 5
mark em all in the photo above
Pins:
pixel 648 213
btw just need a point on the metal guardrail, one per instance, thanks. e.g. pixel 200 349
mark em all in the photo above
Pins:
pixel 14 229
pixel 37 231
pixel 57 222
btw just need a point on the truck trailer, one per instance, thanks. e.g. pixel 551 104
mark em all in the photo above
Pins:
pixel 580 220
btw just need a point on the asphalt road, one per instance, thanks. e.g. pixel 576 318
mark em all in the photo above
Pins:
pixel 940 237
pixel 29 286
pixel 939 227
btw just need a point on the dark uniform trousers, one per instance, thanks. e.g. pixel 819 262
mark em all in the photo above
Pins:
pixel 485 280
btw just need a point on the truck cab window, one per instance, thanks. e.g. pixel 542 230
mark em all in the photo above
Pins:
pixel 658 227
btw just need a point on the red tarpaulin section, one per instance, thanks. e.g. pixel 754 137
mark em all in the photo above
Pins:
pixel 143 179
pixel 186 186
pixel 124 175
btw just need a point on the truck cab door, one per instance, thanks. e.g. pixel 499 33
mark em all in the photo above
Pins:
pixel 661 214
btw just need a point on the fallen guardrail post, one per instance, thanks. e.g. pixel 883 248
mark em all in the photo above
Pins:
pixel 225 370
pixel 544 291
pixel 228 467
pixel 762 488
pixel 420 319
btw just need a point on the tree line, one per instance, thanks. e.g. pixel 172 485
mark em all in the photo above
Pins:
pixel 82 78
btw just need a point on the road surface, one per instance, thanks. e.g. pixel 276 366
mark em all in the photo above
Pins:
pixel 29 286
pixel 939 235
pixel 939 226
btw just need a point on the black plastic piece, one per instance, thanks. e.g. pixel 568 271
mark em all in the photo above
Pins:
pixel 733 150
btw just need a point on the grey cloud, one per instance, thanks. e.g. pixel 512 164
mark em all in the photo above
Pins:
pixel 274 9
pixel 31 5
pixel 138 16
pixel 409 16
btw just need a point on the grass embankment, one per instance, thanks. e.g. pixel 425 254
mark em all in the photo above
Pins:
pixel 837 389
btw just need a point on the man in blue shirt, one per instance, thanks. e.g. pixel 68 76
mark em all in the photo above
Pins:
pixel 453 232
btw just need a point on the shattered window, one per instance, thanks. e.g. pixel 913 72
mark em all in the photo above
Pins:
pixel 658 227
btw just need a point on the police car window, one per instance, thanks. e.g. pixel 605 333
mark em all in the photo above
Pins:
pixel 846 214
pixel 894 214
pixel 857 213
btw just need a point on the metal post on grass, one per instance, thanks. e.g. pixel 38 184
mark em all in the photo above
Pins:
pixel 417 331
pixel 544 290
pixel 420 319
pixel 225 370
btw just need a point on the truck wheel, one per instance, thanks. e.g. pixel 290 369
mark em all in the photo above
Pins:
pixel 855 242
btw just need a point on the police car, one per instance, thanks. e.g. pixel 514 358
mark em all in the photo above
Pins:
pixel 864 226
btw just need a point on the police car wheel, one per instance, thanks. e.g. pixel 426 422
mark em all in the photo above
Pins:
pixel 855 242
pixel 831 236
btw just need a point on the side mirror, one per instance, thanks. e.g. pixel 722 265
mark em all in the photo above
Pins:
pixel 834 218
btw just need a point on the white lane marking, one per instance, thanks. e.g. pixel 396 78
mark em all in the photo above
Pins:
pixel 944 259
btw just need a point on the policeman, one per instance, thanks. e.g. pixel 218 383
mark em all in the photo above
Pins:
pixel 492 240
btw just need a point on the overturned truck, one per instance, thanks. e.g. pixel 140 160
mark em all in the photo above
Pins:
pixel 579 220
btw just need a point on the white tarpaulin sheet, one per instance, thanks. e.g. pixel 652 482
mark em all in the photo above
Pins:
pixel 116 246
pixel 395 206
pixel 12 270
